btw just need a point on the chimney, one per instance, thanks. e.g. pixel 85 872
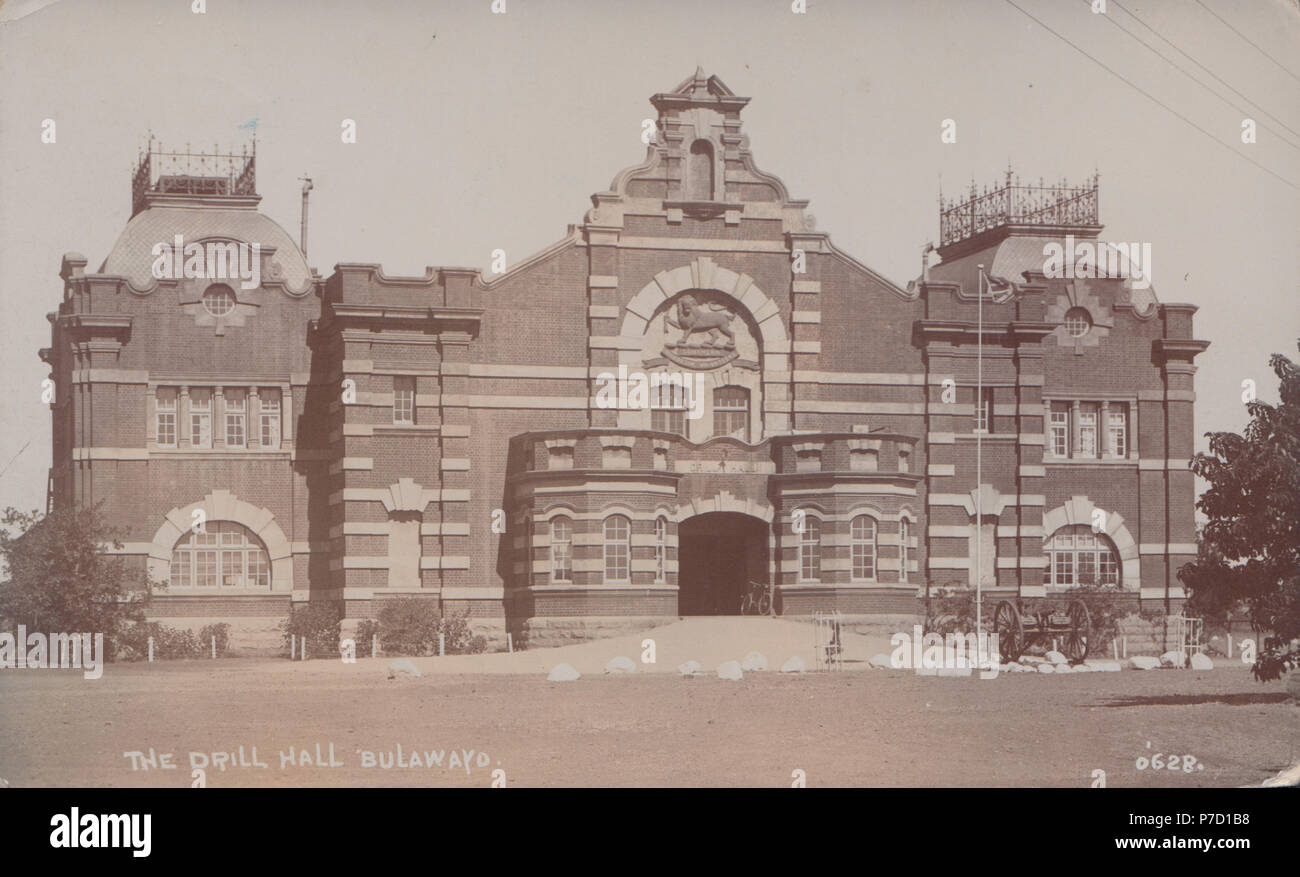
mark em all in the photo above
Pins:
pixel 306 187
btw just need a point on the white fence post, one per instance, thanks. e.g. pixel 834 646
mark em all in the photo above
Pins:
pixel 150 648
pixel 214 647
pixel 442 644
pixel 510 643
pixel 374 645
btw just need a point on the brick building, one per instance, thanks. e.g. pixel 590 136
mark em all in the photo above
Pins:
pixel 480 439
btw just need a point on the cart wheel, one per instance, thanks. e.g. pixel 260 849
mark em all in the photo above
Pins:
pixel 1076 641
pixel 765 604
pixel 1009 631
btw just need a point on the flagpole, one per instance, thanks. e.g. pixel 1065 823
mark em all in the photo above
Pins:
pixel 979 461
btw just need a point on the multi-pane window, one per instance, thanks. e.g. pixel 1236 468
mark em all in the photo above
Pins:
pixel 731 412
pixel 669 403
pixel 661 548
pixel 618 548
pixel 862 532
pixel 1087 432
pixel 200 418
pixel 561 549
pixel 984 409
pixel 225 555
pixel 166 401
pixel 1117 430
pixel 403 400
pixel 1078 556
pixel 236 434
pixel 270 425
pixel 1060 430
pixel 904 548
pixel 810 550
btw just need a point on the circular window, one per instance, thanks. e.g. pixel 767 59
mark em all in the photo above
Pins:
pixel 219 300
pixel 1077 322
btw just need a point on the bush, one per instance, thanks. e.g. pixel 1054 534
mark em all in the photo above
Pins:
pixel 365 634
pixel 950 610
pixel 1105 609
pixel 221 632
pixel 411 625
pixel 320 622
pixel 1277 658
pixel 169 643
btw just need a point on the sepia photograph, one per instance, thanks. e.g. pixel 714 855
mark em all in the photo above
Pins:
pixel 418 394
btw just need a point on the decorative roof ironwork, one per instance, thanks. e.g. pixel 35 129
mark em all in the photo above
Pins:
pixel 1014 203
pixel 160 172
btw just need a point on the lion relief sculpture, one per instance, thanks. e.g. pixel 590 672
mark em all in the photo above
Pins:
pixel 713 319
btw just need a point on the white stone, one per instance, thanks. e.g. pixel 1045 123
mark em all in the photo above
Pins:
pixel 690 668
pixel 730 670
pixel 1057 658
pixel 563 673
pixel 754 661
pixel 1173 659
pixel 621 664
pixel 1143 662
pixel 1202 662
pixel 402 667
pixel 882 661
pixel 1046 668
pixel 794 665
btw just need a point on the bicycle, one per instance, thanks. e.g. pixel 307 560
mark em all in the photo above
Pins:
pixel 758 601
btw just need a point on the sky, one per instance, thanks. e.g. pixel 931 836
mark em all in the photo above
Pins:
pixel 479 130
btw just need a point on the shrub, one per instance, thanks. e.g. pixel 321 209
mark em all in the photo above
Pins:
pixel 411 625
pixel 169 643
pixel 1277 658
pixel 950 610
pixel 1105 609
pixel 221 631
pixel 320 622
pixel 366 631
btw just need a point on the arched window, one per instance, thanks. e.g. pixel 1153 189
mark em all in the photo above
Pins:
pixel 224 555
pixel 904 548
pixel 618 548
pixel 661 549
pixel 699 172
pixel 1076 556
pixel 810 550
pixel 731 412
pixel 561 549
pixel 862 532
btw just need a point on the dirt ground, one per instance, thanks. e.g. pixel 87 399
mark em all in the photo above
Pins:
pixel 864 728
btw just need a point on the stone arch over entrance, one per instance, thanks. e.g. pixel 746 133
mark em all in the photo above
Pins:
pixel 1079 511
pixel 222 505
pixel 718 554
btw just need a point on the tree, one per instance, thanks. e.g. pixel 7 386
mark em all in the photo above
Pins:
pixel 1249 551
pixel 60 579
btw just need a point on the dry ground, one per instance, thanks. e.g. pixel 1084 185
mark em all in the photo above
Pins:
pixel 867 728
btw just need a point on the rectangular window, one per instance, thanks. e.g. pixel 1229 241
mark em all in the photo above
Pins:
pixel 235 418
pixel 561 550
pixel 1087 432
pixel 731 412
pixel 904 461
pixel 984 410
pixel 1107 571
pixel 669 402
pixel 1118 430
pixel 904 536
pixel 232 569
pixel 1064 568
pixel 270 432
pixel 205 569
pixel 200 418
pixel 403 400
pixel 166 402
pixel 181 562
pixel 1059 445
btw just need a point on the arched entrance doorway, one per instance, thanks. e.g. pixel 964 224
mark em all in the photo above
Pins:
pixel 719 553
